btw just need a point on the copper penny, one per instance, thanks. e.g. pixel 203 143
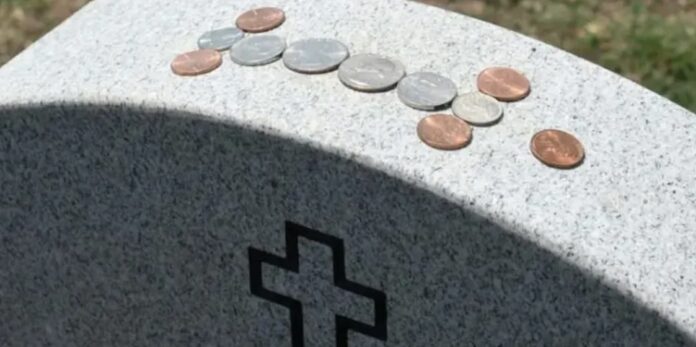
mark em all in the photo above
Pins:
pixel 504 84
pixel 444 131
pixel 196 62
pixel 557 149
pixel 261 19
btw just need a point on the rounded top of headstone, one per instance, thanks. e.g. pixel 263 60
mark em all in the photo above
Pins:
pixel 599 217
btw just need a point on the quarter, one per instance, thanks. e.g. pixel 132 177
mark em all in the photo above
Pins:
pixel 220 39
pixel 370 72
pixel 315 55
pixel 426 90
pixel 257 50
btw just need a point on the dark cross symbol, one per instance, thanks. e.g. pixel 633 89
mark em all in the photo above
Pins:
pixel 291 262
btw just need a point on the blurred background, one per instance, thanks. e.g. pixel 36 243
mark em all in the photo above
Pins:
pixel 652 42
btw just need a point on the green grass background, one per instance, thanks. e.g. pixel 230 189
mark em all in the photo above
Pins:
pixel 652 42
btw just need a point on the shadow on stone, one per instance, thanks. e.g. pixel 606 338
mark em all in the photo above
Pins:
pixel 120 226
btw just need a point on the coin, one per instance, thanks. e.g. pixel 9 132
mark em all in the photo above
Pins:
pixel 196 62
pixel 426 90
pixel 257 50
pixel 557 149
pixel 444 131
pixel 220 39
pixel 504 84
pixel 261 19
pixel 370 72
pixel 477 108
pixel 315 55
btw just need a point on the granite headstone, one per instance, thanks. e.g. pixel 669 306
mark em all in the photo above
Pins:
pixel 255 206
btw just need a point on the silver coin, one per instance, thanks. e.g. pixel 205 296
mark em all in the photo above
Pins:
pixel 370 72
pixel 477 108
pixel 426 90
pixel 221 39
pixel 257 50
pixel 315 55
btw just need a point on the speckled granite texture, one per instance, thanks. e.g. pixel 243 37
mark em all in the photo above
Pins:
pixel 131 196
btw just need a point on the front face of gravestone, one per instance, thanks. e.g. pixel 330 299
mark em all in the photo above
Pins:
pixel 126 227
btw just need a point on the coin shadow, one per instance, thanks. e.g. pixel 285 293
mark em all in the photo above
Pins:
pixel 442 108
pixel 320 72
pixel 489 125
pixel 376 91
pixel 128 226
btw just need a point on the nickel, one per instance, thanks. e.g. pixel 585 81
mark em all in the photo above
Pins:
pixel 444 131
pixel 477 108
pixel 257 50
pixel 426 90
pixel 196 62
pixel 557 149
pixel 315 55
pixel 370 72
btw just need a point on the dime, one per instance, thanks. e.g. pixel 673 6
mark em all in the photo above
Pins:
pixel 557 149
pixel 426 90
pixel 261 19
pixel 221 39
pixel 257 50
pixel 370 72
pixel 196 62
pixel 315 55
pixel 444 131
pixel 477 108
pixel 504 84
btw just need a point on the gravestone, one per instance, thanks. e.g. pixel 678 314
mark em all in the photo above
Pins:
pixel 255 206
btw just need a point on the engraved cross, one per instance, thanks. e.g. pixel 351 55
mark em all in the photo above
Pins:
pixel 291 264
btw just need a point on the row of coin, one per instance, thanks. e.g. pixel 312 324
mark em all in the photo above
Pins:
pixel 375 73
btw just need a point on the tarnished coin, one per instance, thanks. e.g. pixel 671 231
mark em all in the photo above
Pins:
pixel 257 50
pixel 426 90
pixel 557 149
pixel 196 62
pixel 504 84
pixel 220 39
pixel 370 72
pixel 261 19
pixel 477 108
pixel 315 55
pixel 444 131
